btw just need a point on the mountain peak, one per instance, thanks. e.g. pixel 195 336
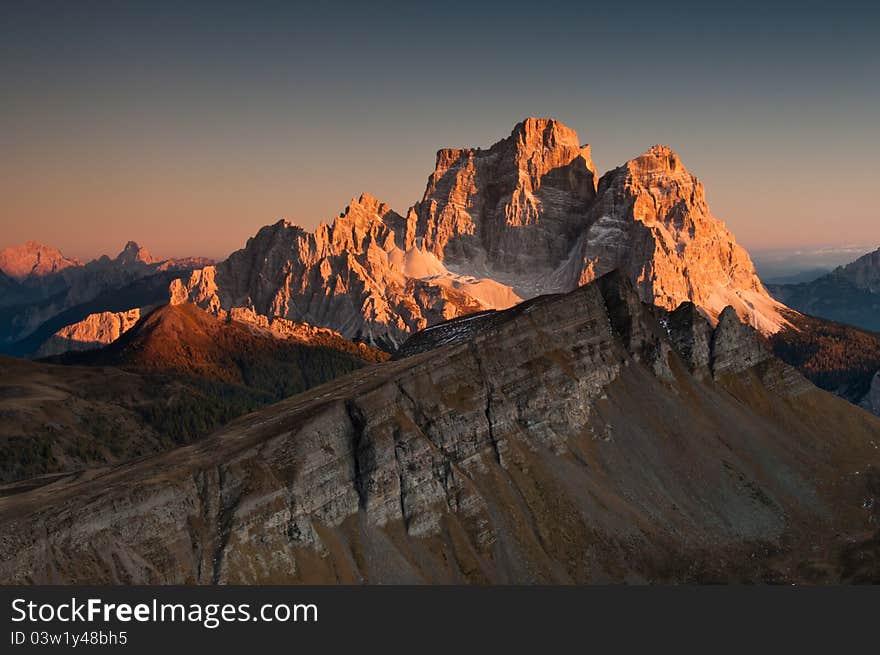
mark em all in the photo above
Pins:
pixel 546 132
pixel 516 206
pixel 33 259
pixel 134 253
pixel 659 158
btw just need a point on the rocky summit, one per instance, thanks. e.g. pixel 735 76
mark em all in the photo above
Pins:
pixel 527 216
pixel 580 437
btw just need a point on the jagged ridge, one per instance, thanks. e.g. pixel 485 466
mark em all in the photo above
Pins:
pixel 563 440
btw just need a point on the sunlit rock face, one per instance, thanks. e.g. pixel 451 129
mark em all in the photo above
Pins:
pixel 33 259
pixel 651 220
pixel 94 331
pixel 515 207
pixel 495 226
pixel 350 275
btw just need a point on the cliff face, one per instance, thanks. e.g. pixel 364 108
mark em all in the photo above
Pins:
pixel 495 226
pixel 94 331
pixel 351 275
pixel 564 440
pixel 651 220
pixel 515 207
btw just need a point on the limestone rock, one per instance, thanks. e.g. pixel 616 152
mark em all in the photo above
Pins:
pixel 651 221
pixel 517 220
pixel 515 207
pixel 536 444
pixel 351 275
pixel 94 331
pixel 735 347
pixel 691 335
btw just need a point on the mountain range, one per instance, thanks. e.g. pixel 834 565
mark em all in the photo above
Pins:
pixel 44 291
pixel 525 217
pixel 848 294
pixel 533 374
pixel 581 437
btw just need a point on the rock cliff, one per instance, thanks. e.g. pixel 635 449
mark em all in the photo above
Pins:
pixel 563 440
pixel 94 331
pixel 522 218
pixel 351 275
pixel 651 220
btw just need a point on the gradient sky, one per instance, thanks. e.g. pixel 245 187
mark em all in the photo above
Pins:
pixel 187 126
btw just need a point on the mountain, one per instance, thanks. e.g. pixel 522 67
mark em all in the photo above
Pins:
pixel 148 291
pixel 174 376
pixel 523 218
pixel 514 208
pixel 351 276
pixel 651 220
pixel 848 294
pixel 56 284
pixel 94 331
pixel 581 437
pixel 187 341
pixel 792 278
pixel 33 260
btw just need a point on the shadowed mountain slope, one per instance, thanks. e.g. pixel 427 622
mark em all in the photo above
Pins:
pixel 174 377
pixel 583 437
pixel 849 294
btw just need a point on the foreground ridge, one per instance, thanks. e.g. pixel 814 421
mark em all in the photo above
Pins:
pixel 583 437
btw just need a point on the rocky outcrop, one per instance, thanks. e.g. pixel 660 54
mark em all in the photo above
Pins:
pixel 734 347
pixel 544 443
pixel 651 221
pixel 513 208
pixel 94 331
pixel 517 220
pixel 691 336
pixel 351 275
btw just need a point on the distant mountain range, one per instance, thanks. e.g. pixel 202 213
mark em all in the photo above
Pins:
pixel 44 291
pixel 848 294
